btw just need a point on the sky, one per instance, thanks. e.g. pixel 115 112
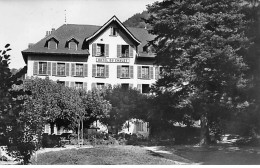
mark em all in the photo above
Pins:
pixel 26 21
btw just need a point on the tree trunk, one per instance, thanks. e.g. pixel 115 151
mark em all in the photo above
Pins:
pixel 82 132
pixel 204 131
pixel 78 131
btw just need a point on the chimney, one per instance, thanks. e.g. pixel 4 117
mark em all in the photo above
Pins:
pixel 52 30
pixel 30 45
pixel 47 33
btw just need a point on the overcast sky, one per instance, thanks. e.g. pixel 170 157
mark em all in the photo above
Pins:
pixel 26 21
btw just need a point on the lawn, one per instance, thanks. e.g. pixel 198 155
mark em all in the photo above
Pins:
pixel 103 155
pixel 156 155
pixel 216 155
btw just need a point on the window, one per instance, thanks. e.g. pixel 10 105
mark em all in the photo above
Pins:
pixel 79 85
pixel 42 68
pixel 61 69
pixel 61 82
pixel 52 44
pixel 125 51
pixel 125 86
pixel 139 126
pixel 125 72
pixel 73 45
pixel 100 50
pixel 79 69
pixel 145 88
pixel 100 70
pixel 100 85
pixel 145 72
pixel 114 31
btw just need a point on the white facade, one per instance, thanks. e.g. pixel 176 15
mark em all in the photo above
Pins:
pixel 95 70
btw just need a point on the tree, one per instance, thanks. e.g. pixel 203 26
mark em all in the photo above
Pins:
pixel 126 104
pixel 200 45
pixel 10 105
pixel 137 20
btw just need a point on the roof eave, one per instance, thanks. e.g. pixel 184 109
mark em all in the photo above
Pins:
pixel 114 18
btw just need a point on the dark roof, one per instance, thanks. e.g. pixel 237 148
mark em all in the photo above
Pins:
pixel 80 33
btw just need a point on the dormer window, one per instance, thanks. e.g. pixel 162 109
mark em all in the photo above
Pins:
pixel 113 31
pixel 73 45
pixel 52 44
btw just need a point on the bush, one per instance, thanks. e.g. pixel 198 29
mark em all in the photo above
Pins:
pixel 49 141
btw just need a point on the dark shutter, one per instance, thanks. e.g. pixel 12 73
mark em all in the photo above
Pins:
pixel 73 66
pixel 49 68
pixel 106 50
pixel 35 67
pixel 131 70
pixel 119 51
pixel 94 70
pixel 67 69
pixel 67 83
pixel 151 72
pixel 118 71
pixel 139 72
pixel 94 49
pixel 54 67
pixel 85 86
pixel 156 73
pixel 131 52
pixel 72 84
pixel 85 70
pixel 107 71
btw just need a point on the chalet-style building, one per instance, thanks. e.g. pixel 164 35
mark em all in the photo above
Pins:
pixel 87 56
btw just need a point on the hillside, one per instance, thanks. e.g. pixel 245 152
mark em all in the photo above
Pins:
pixel 137 20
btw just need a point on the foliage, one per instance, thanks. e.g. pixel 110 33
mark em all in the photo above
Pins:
pixel 19 138
pixel 200 45
pixel 137 20
pixel 126 104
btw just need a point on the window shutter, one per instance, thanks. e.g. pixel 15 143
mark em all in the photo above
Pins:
pixel 67 83
pixel 119 51
pixel 35 68
pixel 54 69
pixel 72 84
pixel 139 87
pixel 94 49
pixel 156 73
pixel 67 69
pixel 151 72
pixel 93 86
pixel 85 70
pixel 131 52
pixel 94 70
pixel 118 71
pixel 131 71
pixel 139 72
pixel 106 50
pixel 49 68
pixel 73 65
pixel 85 86
pixel 107 71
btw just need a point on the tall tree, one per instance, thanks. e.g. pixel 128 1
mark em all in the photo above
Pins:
pixel 200 45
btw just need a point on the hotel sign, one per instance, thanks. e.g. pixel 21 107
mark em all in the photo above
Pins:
pixel 113 60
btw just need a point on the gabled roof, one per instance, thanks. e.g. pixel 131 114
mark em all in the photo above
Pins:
pixel 81 33
pixel 114 18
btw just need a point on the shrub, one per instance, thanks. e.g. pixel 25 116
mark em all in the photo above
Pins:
pixel 49 141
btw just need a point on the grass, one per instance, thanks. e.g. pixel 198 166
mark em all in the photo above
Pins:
pixel 102 155
pixel 217 155
pixel 136 155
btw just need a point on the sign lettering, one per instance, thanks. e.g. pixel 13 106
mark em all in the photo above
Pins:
pixel 113 60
